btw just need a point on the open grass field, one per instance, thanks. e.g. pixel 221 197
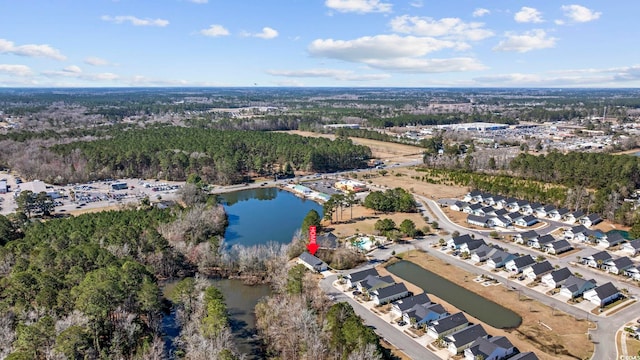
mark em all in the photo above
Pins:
pixel 567 338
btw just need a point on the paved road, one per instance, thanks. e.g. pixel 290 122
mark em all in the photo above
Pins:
pixel 603 337
pixel 385 330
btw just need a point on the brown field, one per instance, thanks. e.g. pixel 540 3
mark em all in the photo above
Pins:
pixel 566 340
pixel 364 221
pixel 379 149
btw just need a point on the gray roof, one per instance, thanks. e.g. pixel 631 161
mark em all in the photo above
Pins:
pixel 525 356
pixel 560 245
pixel 362 274
pixel 486 346
pixel 549 208
pixel 422 311
pixel 574 283
pixel 474 244
pixel 373 282
pixel 529 218
pixel 623 262
pixel 560 274
pixel 615 238
pixel 467 335
pixel 310 259
pixel 601 255
pixel 499 256
pixel 409 302
pixel 327 240
pixel 449 322
pixel 462 239
pixel 606 290
pixel 635 244
pixel 542 267
pixel 545 239
pixel 578 229
pixel 391 290
pixel 594 217
pixel 501 212
pixel 475 206
pixel 523 261
pixel 531 234
pixel 476 218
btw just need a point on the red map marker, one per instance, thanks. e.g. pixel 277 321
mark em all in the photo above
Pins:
pixel 312 247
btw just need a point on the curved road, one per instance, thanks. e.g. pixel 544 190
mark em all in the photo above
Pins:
pixel 603 336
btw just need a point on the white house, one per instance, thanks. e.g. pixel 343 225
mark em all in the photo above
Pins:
pixel 355 277
pixel 590 220
pixel 557 247
pixel 518 264
pixel 470 246
pixel 455 242
pixel 543 212
pixel 400 306
pixel 633 273
pixel 572 217
pixel 632 247
pixel 541 241
pixel 462 339
pixel 537 270
pixel 556 278
pixel 312 262
pixel 458 206
pixel 611 239
pixel 557 214
pixel 447 325
pixel 489 348
pixel 525 237
pixel 618 266
pixel 596 260
pixel 482 221
pixel 574 286
pixel 603 294
pixel 500 221
pixel 499 259
pixel 389 293
pixel 526 221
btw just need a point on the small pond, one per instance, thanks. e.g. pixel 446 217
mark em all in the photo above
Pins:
pixel 471 303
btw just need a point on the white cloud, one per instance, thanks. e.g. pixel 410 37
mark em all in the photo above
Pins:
pixel 421 65
pixel 72 69
pixel 377 47
pixel 394 52
pixel 30 50
pixel 528 15
pixel 342 75
pixel 417 4
pixel 96 61
pixel 15 70
pixel 198 1
pixel 480 12
pixel 267 33
pixel 75 72
pixel 359 6
pixel 453 28
pixel 215 31
pixel 528 41
pixel 579 13
pixel 135 20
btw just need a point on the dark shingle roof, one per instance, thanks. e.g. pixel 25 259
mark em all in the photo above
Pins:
pixel 606 290
pixel 408 303
pixel 525 356
pixel 485 347
pixel 542 267
pixel 523 261
pixel 310 259
pixel 449 322
pixel 391 290
pixel 560 274
pixel 467 335
pixel 362 274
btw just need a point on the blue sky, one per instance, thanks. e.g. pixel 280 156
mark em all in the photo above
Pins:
pixel 352 43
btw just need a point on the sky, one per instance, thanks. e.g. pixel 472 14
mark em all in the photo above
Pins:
pixel 320 43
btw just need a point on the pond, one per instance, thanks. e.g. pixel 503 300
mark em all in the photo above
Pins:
pixel 257 216
pixel 241 300
pixel 471 303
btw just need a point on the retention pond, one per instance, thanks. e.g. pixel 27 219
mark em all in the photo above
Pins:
pixel 473 304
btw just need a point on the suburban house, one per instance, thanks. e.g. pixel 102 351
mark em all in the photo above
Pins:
pixel 458 205
pixel 513 216
pixel 312 262
pixel 557 247
pixel 471 208
pixel 420 315
pixel 525 356
pixel 633 273
pixel 596 260
pixel 525 237
pixel 611 239
pixel 475 196
pixel 527 209
pixel 632 247
pixel 603 294
pixel 544 211
pixel 557 214
pixel 576 231
pixel 574 286
pixel 618 266
pixel 447 325
pixel 536 270
pixel 491 200
pixel 482 221
pixel 484 211
pixel 327 241
pixel 400 306
pixel 572 217
pixel 470 246
pixel 541 241
pixel 374 282
pixel 489 348
pixel 518 264
pixel 455 242
pixel 482 253
pixel 462 339
pixel 590 220
pixel 527 220
pixel 501 221
pixel 500 212
pixel 556 278
pixel 355 277
pixel 389 293
pixel 499 259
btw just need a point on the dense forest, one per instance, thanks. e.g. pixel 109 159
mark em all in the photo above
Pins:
pixel 173 153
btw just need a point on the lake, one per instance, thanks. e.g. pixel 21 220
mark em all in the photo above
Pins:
pixel 471 303
pixel 257 216
pixel 241 301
